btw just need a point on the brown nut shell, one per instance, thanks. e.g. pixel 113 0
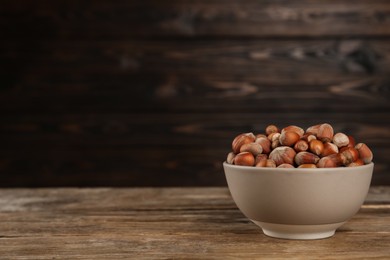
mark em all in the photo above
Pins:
pixel 325 133
pixel 265 144
pixel 261 160
pixel 306 158
pixel 316 147
pixel 275 144
pixel 329 161
pixel 348 155
pixel 313 130
pixel 283 154
pixel 288 138
pixel 253 148
pixel 293 128
pixel 260 157
pixel 364 152
pixel 301 146
pixel 261 163
pixel 351 142
pixel 273 136
pixel 260 135
pixel 244 159
pixel 329 148
pixel 358 162
pixel 308 137
pixel 242 139
pixel 230 158
pixel 340 139
pixel 270 163
pixel 271 129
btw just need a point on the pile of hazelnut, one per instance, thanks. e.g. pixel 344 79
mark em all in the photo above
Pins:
pixel 317 147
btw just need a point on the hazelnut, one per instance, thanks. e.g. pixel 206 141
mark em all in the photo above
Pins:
pixel 244 159
pixel 265 144
pixel 253 148
pixel 283 154
pixel 273 136
pixel 301 146
pixel 340 140
pixel 329 148
pixel 288 138
pixel 358 162
pixel 242 139
pixel 364 152
pixel 251 135
pixel 270 163
pixel 329 161
pixel 293 128
pixel 316 147
pixel 260 158
pixel 313 130
pixel 271 129
pixel 351 142
pixel 308 137
pixel 230 157
pixel 306 158
pixel 260 135
pixel 275 144
pixel 274 140
pixel 261 163
pixel 325 133
pixel 348 155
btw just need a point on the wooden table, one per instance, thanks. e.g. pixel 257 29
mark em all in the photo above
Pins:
pixel 155 223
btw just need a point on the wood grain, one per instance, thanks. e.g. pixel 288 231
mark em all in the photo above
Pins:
pixel 263 60
pixel 151 93
pixel 344 75
pixel 185 149
pixel 201 18
pixel 167 223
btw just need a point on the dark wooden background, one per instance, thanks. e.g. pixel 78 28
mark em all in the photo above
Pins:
pixel 152 92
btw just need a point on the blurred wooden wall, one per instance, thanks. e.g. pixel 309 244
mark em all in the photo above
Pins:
pixel 152 92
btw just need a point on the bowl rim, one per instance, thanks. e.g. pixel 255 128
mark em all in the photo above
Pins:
pixel 261 169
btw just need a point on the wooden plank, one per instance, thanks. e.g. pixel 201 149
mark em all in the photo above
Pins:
pixel 185 149
pixel 167 223
pixel 197 76
pixel 176 129
pixel 153 18
pixel 304 61
pixel 220 97
pixel 124 201
pixel 102 75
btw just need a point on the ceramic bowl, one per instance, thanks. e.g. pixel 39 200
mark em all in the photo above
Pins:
pixel 299 203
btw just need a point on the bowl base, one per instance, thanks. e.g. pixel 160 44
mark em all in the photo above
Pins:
pixel 303 232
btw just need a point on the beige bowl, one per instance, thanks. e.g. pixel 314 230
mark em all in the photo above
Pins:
pixel 298 203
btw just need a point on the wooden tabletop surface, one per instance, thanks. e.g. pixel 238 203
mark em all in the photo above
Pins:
pixel 168 223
